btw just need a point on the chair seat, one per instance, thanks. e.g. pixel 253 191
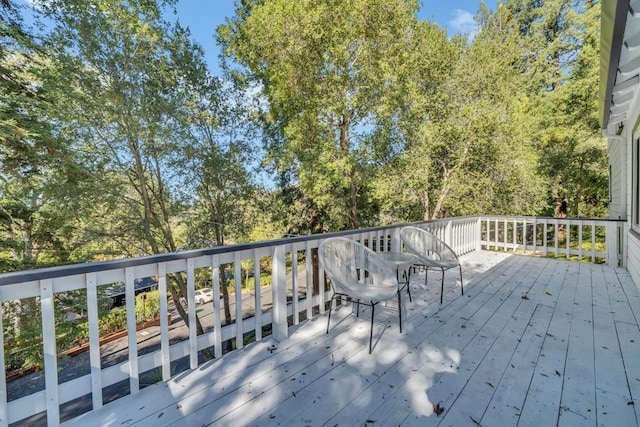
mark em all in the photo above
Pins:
pixel 371 292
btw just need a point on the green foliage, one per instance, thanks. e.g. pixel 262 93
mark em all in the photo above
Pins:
pixel 117 142
pixel 147 305
pixel 326 87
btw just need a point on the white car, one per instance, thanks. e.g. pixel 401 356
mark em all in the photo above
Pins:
pixel 204 295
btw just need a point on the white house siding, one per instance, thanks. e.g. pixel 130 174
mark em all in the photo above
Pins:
pixel 633 260
pixel 617 204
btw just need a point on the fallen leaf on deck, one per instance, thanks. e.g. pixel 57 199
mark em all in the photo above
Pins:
pixel 371 421
pixel 160 414
pixel 489 384
pixel 558 373
pixel 438 409
pixel 475 421
pixel 272 416
pixel 525 296
pixel 178 406
pixel 547 293
pixel 630 402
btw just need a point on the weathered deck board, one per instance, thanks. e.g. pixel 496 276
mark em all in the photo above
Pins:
pixel 533 341
pixel 612 391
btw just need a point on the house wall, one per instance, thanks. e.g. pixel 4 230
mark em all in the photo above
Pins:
pixel 631 238
pixel 633 257
pixel 617 169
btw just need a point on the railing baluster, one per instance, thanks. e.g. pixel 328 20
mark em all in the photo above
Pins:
pixel 217 323
pixel 612 244
pixel 555 238
pixel 50 353
pixel 321 289
pixel 257 291
pixel 545 237
pixel 580 229
pixel 94 340
pixel 237 280
pixel 535 236
pixel 191 298
pixel 294 286
pixel 593 241
pixel 134 375
pixel 567 234
pixel 164 322
pixel 309 273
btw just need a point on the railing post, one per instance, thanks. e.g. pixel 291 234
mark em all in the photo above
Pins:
pixel 94 340
pixel 396 245
pixel 612 244
pixel 280 327
pixel 448 233
pixel 479 234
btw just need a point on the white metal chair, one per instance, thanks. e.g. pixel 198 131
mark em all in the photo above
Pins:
pixel 431 252
pixel 358 273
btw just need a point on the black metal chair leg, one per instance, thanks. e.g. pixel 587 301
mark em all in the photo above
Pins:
pixel 373 307
pixel 330 307
pixel 461 287
pixel 358 308
pixel 400 310
pixel 442 286
pixel 409 283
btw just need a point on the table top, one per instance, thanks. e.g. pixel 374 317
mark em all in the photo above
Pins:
pixel 398 259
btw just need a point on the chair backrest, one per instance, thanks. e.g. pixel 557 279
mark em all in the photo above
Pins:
pixel 428 247
pixel 354 268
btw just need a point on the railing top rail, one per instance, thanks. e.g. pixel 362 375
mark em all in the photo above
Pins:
pixel 75 269
pixel 576 218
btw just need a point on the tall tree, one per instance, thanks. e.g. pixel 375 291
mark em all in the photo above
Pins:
pixel 327 69
pixel 563 40
pixel 125 77
pixel 38 172
pixel 467 149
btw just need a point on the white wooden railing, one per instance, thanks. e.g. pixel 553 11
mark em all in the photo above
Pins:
pixel 594 240
pixel 291 297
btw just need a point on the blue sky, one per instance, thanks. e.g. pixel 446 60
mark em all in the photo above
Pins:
pixel 203 16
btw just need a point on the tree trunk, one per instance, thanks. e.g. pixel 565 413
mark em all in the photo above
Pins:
pixel 353 188
pixel 560 210
pixel 425 205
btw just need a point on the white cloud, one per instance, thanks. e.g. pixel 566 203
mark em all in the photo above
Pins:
pixel 462 22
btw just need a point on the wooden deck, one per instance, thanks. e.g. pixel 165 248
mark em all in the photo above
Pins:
pixel 533 342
